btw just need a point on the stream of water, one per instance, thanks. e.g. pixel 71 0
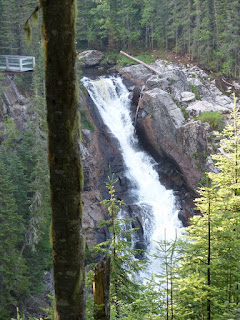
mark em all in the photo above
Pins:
pixel 157 204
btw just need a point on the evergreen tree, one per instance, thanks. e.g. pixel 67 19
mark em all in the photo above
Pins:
pixel 209 269
pixel 124 266
pixel 13 271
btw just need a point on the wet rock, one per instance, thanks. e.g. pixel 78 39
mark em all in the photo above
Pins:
pixel 136 95
pixel 184 215
pixel 136 213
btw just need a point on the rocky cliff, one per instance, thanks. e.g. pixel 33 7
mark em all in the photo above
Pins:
pixel 98 149
pixel 161 123
pixel 180 145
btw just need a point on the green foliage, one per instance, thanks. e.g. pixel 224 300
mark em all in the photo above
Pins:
pixel 194 89
pixel 85 122
pixel 208 272
pixel 123 60
pixel 124 266
pixel 185 114
pixel 23 156
pixel 13 270
pixel 214 118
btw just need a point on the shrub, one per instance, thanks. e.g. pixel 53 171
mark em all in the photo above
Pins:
pixel 214 118
pixel 194 89
pixel 184 112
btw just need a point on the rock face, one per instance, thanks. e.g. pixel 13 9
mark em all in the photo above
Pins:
pixel 166 132
pixel 162 108
pixel 97 150
pixel 90 58
pixel 13 104
pixel 161 126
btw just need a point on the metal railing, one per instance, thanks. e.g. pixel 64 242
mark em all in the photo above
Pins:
pixel 17 63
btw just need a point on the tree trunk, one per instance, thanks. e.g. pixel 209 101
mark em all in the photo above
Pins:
pixel 66 177
pixel 209 255
pixel 141 62
pixel 101 290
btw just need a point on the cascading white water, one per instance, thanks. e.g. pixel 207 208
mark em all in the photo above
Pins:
pixel 160 215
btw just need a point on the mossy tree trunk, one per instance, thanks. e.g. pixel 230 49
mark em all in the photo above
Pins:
pixel 64 157
pixel 101 290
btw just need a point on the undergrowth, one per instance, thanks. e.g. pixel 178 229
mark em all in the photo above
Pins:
pixel 122 61
pixel 194 89
pixel 214 118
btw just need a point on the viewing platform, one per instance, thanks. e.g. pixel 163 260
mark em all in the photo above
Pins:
pixel 10 63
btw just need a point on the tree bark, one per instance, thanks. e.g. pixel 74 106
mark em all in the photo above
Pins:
pixel 209 255
pixel 101 290
pixel 66 177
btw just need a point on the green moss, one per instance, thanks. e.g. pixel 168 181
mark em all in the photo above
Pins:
pixel 85 123
pixel 215 119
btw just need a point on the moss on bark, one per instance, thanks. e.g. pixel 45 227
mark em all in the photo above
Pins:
pixel 66 178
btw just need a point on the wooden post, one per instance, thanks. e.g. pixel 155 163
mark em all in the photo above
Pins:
pixel 101 290
pixel 141 62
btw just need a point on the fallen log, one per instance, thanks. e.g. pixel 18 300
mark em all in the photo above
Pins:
pixel 235 86
pixel 141 62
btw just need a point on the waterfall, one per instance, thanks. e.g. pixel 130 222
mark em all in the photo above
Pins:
pixel 111 97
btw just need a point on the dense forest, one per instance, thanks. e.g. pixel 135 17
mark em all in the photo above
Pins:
pixel 200 277
pixel 204 30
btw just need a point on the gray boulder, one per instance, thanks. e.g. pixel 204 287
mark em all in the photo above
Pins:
pixel 136 72
pixel 160 105
pixel 90 58
pixel 156 82
pixel 178 83
pixel 196 108
pixel 187 96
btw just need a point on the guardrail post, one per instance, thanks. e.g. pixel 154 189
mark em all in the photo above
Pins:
pixel 20 64
pixel 7 62
pixel 33 60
